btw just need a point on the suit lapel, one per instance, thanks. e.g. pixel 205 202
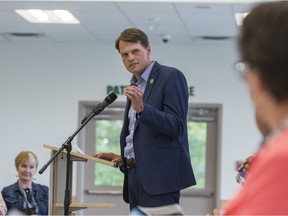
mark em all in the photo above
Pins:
pixel 151 81
pixel 126 120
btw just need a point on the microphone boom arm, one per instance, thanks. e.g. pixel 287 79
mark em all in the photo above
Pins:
pixel 68 146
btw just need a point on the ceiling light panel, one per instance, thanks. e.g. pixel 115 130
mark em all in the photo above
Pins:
pixel 48 16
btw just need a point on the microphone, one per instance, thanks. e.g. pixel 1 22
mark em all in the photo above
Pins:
pixel 101 106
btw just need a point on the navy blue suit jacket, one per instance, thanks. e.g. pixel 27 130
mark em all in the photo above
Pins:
pixel 160 137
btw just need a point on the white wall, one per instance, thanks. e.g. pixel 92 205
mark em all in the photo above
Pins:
pixel 41 84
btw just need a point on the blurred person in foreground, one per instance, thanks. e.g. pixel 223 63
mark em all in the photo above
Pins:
pixel 243 169
pixel 263 45
pixel 26 196
pixel 3 208
pixel 154 146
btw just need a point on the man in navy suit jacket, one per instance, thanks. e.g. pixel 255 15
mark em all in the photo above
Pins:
pixel 154 144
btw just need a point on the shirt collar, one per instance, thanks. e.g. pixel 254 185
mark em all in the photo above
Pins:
pixel 145 75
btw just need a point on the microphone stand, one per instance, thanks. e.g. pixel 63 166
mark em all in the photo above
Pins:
pixel 68 147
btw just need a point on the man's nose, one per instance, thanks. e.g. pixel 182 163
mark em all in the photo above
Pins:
pixel 130 56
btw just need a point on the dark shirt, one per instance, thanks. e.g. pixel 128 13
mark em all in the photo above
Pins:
pixel 16 199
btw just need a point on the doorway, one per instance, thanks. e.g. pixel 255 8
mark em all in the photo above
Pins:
pixel 97 183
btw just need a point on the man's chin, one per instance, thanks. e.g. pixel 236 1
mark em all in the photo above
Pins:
pixel 135 72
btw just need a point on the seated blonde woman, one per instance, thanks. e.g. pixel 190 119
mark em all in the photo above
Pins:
pixel 24 195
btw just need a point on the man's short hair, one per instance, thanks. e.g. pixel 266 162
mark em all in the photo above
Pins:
pixel 133 35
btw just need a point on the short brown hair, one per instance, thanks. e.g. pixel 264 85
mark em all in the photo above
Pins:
pixel 263 44
pixel 133 35
pixel 24 156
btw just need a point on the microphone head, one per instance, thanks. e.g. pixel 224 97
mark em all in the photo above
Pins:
pixel 111 98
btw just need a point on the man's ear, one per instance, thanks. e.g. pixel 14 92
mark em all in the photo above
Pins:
pixel 149 49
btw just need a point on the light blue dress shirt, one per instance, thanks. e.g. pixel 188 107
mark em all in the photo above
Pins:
pixel 141 83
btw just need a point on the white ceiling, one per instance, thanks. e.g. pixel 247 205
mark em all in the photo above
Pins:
pixel 102 22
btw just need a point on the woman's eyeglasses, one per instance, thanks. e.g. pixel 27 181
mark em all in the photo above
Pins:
pixel 241 67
